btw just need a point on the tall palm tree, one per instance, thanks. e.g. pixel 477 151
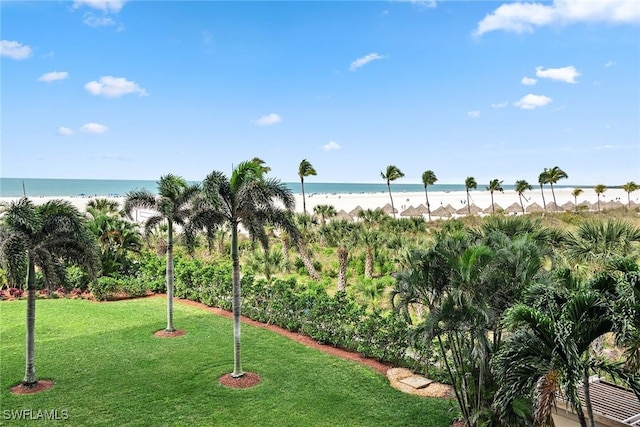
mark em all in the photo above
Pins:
pixel 543 179
pixel 428 178
pixel 250 200
pixel 305 169
pixel 575 193
pixel 599 189
pixel 469 184
pixel 554 175
pixel 630 187
pixel 391 174
pixel 494 185
pixel 522 186
pixel 171 206
pixel 44 236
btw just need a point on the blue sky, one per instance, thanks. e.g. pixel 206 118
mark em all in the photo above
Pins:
pixel 135 90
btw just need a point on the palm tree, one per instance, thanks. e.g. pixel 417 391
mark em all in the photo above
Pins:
pixel 325 212
pixel 304 223
pixel 494 185
pixel 630 187
pixel 250 200
pixel 305 169
pixel 599 189
pixel 469 184
pixel 342 235
pixel 521 187
pixel 391 174
pixel 106 206
pixel 554 175
pixel 172 206
pixel 543 178
pixel 575 193
pixel 45 236
pixel 428 178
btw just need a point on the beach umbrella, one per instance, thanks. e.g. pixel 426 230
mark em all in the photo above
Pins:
pixel 534 207
pixel 490 209
pixel 422 209
pixel 441 212
pixel 465 210
pixel 450 209
pixel 514 208
pixel 568 206
pixel 342 214
pixel 585 205
pixel 388 209
pixel 611 204
pixel 552 207
pixel 410 211
pixel 356 211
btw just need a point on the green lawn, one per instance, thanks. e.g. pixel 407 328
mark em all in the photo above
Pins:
pixel 110 370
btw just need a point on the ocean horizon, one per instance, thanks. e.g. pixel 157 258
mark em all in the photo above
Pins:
pixel 57 187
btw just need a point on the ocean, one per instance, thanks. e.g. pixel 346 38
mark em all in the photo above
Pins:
pixel 36 187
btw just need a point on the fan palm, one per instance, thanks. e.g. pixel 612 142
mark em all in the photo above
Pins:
pixel 44 236
pixel 598 241
pixel 172 206
pixel 543 178
pixel 554 175
pixel 324 212
pixel 250 200
pixel 469 184
pixel 341 234
pixel 428 178
pixel 630 187
pixel 305 169
pixel 599 189
pixel 304 223
pixel 494 185
pixel 521 187
pixel 391 174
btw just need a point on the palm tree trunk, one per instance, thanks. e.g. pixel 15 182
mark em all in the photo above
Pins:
pixel 468 205
pixel 170 327
pixel 304 203
pixel 368 262
pixel 308 264
pixel 30 369
pixel 493 206
pixel 426 195
pixel 554 197
pixel 598 202
pixel 237 370
pixel 544 204
pixel 521 204
pixel 587 397
pixel 393 209
pixel 629 199
pixel 343 257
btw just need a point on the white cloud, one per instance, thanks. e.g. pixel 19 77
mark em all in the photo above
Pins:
pixel 14 49
pixel 53 76
pixel 525 17
pixel 609 64
pixel 93 128
pixel 564 74
pixel 106 6
pixel 98 21
pixel 63 131
pixel 474 114
pixel 331 146
pixel 268 120
pixel 113 87
pixel 364 60
pixel 529 81
pixel 530 101
pixel 500 104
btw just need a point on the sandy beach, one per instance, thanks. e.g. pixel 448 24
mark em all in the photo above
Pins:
pixel 457 200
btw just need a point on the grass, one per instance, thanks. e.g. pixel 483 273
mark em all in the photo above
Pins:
pixel 109 369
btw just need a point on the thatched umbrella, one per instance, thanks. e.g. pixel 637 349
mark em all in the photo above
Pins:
pixel 552 207
pixel 472 207
pixel 410 211
pixel 534 207
pixel 492 208
pixel 568 206
pixel 585 205
pixel 388 209
pixel 422 209
pixel 514 208
pixel 356 211
pixel 441 212
pixel 342 214
pixel 611 204
pixel 450 209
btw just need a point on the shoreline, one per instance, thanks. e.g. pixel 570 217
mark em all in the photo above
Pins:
pixel 456 200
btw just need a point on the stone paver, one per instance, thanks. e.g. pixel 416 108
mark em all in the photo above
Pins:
pixel 416 381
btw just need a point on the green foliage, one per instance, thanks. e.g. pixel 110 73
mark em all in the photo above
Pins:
pixel 75 278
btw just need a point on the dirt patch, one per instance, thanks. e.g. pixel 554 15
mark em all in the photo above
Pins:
pixel 249 379
pixel 41 385
pixel 164 334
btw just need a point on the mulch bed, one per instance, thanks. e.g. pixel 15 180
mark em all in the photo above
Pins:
pixel 164 334
pixel 41 385
pixel 249 379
